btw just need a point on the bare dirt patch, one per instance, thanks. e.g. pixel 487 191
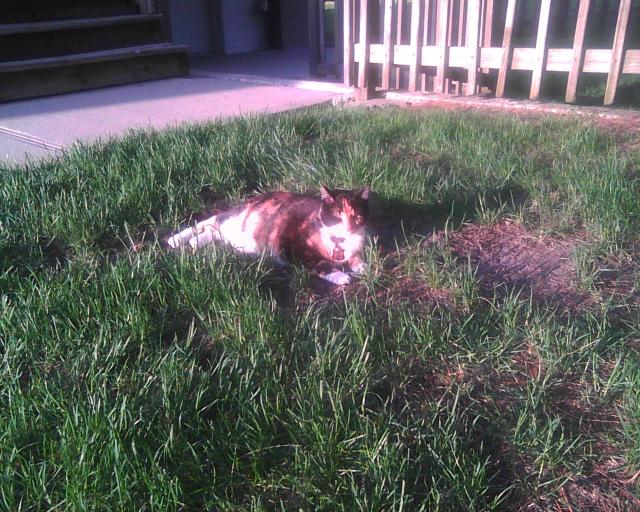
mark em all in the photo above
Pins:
pixel 605 489
pixel 507 257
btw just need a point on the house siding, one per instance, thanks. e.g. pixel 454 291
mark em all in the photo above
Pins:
pixel 192 23
pixel 244 26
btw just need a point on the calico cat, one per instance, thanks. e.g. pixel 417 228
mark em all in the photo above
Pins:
pixel 326 233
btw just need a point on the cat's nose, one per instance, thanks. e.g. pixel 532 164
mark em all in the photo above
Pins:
pixel 337 239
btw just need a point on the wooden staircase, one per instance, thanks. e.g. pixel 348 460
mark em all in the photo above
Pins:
pixel 57 46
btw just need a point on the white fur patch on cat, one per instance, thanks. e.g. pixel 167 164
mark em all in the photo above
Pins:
pixel 237 231
pixel 337 277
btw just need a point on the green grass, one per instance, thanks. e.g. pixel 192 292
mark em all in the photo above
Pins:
pixel 133 378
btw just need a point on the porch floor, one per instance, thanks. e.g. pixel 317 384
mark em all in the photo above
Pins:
pixel 290 64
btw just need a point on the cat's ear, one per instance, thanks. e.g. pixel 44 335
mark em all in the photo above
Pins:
pixel 364 193
pixel 326 195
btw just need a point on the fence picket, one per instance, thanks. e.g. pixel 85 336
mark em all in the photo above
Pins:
pixel 363 67
pixel 578 51
pixel 453 19
pixel 425 38
pixel 442 23
pixel 616 53
pixel 416 44
pixel 399 20
pixel 388 44
pixel 473 34
pixel 540 50
pixel 462 28
pixel 505 59
pixel 487 29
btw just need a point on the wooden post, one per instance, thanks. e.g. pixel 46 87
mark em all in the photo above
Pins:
pixel 541 50
pixel 365 86
pixel 578 51
pixel 473 22
pixel 416 45
pixel 388 45
pixel 347 24
pixel 443 58
pixel 505 60
pixel 617 52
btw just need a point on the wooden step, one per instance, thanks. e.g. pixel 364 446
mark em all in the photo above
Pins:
pixel 21 11
pixel 91 70
pixel 21 41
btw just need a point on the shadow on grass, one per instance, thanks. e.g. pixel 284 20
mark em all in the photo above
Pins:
pixel 455 403
pixel 395 221
pixel 469 401
pixel 44 253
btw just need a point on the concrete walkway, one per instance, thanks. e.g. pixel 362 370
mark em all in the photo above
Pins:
pixel 37 128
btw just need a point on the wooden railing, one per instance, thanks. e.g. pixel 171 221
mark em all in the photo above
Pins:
pixel 461 46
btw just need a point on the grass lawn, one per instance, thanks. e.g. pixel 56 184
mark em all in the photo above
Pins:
pixel 488 360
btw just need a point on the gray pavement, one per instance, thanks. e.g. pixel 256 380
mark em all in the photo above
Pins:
pixel 41 127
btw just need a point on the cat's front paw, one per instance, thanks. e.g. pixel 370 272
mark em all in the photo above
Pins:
pixel 174 241
pixel 358 268
pixel 179 239
pixel 337 277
